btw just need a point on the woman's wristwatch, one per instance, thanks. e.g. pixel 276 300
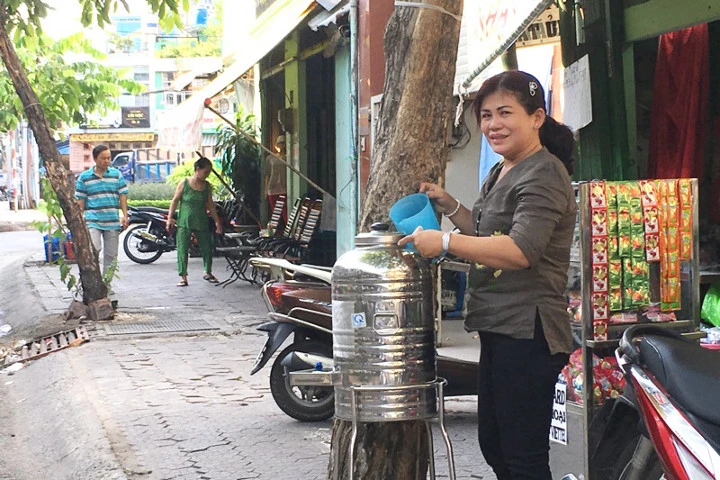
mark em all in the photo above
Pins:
pixel 446 242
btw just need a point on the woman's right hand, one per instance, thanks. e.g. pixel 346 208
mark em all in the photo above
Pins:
pixel 169 223
pixel 439 196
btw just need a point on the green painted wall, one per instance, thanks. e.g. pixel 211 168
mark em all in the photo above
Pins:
pixel 295 99
pixel 656 17
pixel 344 176
pixel 159 97
pixel 603 149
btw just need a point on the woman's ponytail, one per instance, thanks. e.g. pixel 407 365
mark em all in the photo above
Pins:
pixel 559 141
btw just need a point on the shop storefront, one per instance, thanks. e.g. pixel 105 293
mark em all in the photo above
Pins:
pixel 81 145
pixel 651 122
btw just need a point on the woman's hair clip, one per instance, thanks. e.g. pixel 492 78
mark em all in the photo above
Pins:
pixel 532 86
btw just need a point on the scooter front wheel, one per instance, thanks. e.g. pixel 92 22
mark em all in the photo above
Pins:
pixel 623 453
pixel 305 403
pixel 138 249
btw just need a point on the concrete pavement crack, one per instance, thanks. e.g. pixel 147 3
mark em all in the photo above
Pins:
pixel 207 448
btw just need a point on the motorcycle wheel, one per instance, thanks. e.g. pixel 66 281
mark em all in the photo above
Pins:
pixel 307 404
pixel 131 245
pixel 651 470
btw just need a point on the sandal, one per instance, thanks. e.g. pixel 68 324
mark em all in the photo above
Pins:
pixel 210 278
pixel 182 283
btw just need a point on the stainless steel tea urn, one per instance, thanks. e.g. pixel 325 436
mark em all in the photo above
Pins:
pixel 383 331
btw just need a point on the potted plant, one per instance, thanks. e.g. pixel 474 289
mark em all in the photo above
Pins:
pixel 239 159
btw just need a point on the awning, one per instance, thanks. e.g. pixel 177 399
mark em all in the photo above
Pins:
pixel 264 36
pixel 493 26
pixel 186 78
pixel 325 18
pixel 209 139
pixel 63 147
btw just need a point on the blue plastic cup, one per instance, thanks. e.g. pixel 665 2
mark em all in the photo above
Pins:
pixel 414 211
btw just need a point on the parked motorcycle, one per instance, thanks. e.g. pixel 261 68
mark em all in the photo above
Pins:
pixel 299 302
pixel 148 238
pixel 666 424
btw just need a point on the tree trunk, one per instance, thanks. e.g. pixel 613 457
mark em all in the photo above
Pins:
pixel 416 111
pixel 392 450
pixel 410 147
pixel 93 286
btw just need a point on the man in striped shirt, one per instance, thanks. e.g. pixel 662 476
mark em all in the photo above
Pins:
pixel 101 191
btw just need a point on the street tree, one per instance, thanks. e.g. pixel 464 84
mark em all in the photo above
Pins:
pixel 22 19
pixel 410 147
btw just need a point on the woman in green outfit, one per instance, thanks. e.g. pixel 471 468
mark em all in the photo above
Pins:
pixel 194 196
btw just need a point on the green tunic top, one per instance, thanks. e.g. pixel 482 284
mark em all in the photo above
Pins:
pixel 193 212
pixel 535 205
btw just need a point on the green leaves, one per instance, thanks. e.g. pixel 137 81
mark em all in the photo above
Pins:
pixel 25 16
pixel 240 159
pixel 67 80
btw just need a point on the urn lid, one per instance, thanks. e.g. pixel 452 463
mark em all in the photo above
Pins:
pixel 378 235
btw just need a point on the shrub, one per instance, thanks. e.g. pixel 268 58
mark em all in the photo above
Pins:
pixel 150 191
pixel 186 170
pixel 150 203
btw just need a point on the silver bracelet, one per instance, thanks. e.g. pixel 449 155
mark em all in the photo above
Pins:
pixel 457 209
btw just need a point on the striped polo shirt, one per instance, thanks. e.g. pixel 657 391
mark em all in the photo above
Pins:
pixel 102 197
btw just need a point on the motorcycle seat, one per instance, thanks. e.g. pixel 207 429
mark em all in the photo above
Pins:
pixel 162 211
pixel 688 372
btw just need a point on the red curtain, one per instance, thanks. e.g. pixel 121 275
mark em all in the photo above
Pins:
pixel 680 104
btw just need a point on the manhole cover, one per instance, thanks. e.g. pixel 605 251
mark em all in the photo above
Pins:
pixel 159 326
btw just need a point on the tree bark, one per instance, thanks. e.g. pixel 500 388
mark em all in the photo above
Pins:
pixel 410 147
pixel 93 286
pixel 416 111
pixel 393 450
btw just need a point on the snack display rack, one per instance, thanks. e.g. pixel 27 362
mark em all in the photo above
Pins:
pixel 594 328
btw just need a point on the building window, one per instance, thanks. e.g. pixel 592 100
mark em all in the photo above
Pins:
pixel 142 101
pixel 142 77
pixel 175 98
pixel 167 80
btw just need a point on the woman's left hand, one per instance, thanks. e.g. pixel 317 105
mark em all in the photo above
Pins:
pixel 428 243
pixel 218 228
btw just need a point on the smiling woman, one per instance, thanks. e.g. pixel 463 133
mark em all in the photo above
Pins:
pixel 511 132
pixel 518 237
pixel 510 108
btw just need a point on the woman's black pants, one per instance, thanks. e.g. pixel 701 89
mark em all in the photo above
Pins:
pixel 515 399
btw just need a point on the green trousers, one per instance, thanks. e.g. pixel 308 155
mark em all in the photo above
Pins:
pixel 182 238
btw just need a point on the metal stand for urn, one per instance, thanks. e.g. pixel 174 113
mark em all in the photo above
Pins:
pixel 438 386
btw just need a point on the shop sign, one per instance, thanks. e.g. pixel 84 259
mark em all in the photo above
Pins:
pixel 577 112
pixel 494 25
pixel 135 117
pixel 558 423
pixel 112 137
pixel 545 29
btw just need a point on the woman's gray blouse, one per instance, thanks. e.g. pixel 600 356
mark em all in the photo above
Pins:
pixel 535 205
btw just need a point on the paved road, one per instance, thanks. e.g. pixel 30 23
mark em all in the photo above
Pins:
pixel 164 406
